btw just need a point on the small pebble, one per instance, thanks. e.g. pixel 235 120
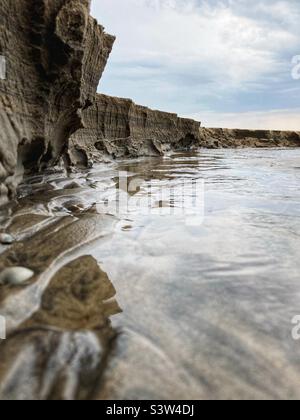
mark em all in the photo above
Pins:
pixel 15 275
pixel 6 239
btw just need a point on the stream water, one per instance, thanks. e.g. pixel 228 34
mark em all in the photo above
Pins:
pixel 207 285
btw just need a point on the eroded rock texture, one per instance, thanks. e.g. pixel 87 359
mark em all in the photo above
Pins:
pixel 220 137
pixel 118 127
pixel 55 54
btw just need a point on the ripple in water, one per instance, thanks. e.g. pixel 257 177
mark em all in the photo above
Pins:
pixel 207 308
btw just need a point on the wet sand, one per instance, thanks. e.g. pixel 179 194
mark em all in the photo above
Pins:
pixel 144 306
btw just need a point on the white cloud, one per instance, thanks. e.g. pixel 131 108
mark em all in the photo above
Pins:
pixel 232 49
pixel 171 52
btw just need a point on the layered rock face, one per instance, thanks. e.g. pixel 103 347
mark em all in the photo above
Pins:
pixel 118 127
pixel 220 137
pixel 55 54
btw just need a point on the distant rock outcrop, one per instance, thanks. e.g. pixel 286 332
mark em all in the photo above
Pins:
pixel 215 138
pixel 55 54
pixel 118 127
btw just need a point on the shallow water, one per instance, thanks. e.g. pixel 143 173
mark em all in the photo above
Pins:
pixel 208 286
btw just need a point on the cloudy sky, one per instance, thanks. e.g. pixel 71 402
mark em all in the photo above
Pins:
pixel 225 62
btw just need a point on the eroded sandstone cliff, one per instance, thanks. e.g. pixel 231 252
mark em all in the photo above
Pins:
pixel 118 127
pixel 55 54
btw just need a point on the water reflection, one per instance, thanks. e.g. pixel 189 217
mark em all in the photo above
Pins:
pixel 208 309
pixel 61 351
